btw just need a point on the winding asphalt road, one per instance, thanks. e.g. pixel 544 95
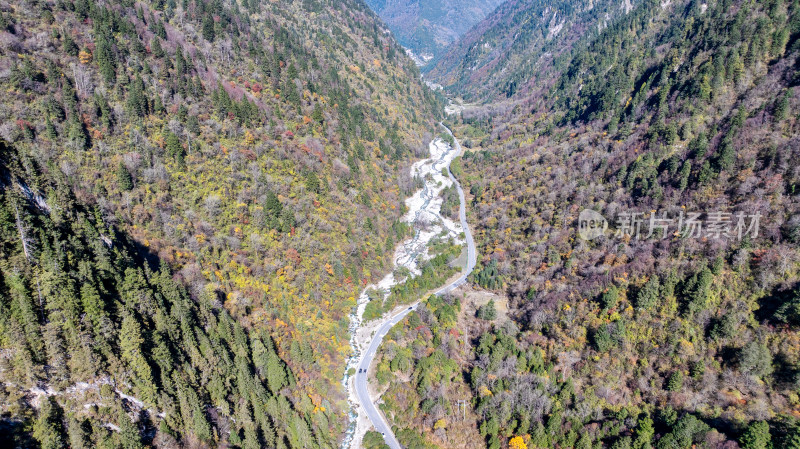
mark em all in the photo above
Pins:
pixel 361 380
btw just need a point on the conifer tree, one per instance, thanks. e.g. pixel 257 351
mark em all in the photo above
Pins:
pixel 137 102
pixel 647 297
pixel 104 54
pixel 756 436
pixel 49 429
pixel 24 312
pixel 78 438
pixel 317 114
pixel 76 133
pixel 69 46
pixel 287 220
pixel 272 209
pixel 175 148
pixel 130 343
pixel 129 437
pixel 208 28
pixel 792 440
pixel 276 374
pixel 156 48
pixel 124 177
pixel 644 434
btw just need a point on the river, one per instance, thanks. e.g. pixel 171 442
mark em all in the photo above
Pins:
pixel 424 215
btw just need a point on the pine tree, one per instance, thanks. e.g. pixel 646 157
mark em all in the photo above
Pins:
pixel 647 297
pixel 124 177
pixel 287 220
pixel 137 102
pixel 276 373
pixel 69 46
pixel 103 110
pixel 129 437
pixel 272 211
pixel 609 298
pixel 158 106
pixel 699 294
pixel 603 341
pixel 644 434
pixel 779 41
pixel 792 440
pixel 49 430
pixel 78 438
pixel 755 358
pixel 193 125
pixel 675 381
pixel 104 55
pixel 735 67
pixel 208 28
pixel 317 115
pixel 130 343
pixel 50 129
pixel 585 441
pixel 180 64
pixel 622 443
pixel 76 133
pixel 156 48
pixel 686 170
pixel 24 312
pixel 487 311
pixel 782 106
pixel 159 29
pixel 250 437
pixel 175 148
pixel 312 182
pixel 756 436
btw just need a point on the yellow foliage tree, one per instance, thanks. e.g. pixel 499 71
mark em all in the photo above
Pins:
pixel 85 57
pixel 517 443
pixel 249 138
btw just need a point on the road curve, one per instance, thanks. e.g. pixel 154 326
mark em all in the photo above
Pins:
pixel 472 255
pixel 361 381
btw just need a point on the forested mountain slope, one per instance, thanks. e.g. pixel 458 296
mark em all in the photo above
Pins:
pixel 252 149
pixel 429 27
pixel 628 340
pixel 110 347
pixel 520 46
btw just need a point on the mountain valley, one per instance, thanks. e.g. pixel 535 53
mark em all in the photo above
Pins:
pixel 237 224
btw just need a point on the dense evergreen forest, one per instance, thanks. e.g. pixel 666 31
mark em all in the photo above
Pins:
pixel 666 341
pixel 99 335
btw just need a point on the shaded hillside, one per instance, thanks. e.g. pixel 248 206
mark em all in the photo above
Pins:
pixel 669 339
pixel 254 148
pixel 429 27
pixel 104 347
